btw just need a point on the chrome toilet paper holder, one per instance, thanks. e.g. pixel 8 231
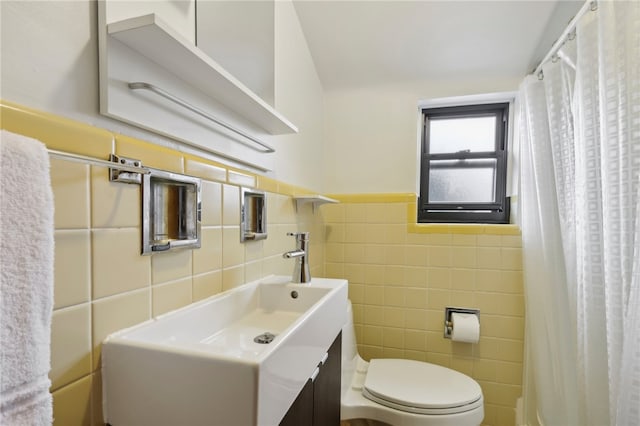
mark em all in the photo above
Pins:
pixel 448 323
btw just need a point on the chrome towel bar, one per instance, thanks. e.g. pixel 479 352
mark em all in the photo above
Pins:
pixel 161 92
pixel 97 162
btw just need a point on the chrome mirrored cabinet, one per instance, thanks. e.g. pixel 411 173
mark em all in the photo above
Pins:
pixel 253 215
pixel 171 211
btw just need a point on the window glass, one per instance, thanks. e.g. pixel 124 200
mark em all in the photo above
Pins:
pixel 449 135
pixel 467 181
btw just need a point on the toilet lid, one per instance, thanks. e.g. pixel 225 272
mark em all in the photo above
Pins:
pixel 420 387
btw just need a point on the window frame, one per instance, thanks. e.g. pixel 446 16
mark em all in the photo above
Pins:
pixel 494 212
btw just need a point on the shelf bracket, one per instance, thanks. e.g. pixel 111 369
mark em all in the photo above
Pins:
pixel 315 200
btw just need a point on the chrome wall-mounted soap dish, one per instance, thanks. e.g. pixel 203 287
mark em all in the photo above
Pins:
pixel 253 215
pixel 170 211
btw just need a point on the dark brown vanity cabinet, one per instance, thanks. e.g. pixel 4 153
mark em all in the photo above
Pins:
pixel 318 403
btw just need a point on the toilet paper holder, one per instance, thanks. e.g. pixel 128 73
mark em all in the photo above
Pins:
pixel 448 323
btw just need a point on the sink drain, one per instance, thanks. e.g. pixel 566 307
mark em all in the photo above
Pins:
pixel 264 338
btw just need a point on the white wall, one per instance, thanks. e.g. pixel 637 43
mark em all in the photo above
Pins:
pixel 50 62
pixel 50 57
pixel 372 134
pixel 240 35
pixel 299 96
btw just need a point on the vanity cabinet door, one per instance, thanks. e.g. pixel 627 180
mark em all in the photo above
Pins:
pixel 301 412
pixel 326 397
pixel 318 403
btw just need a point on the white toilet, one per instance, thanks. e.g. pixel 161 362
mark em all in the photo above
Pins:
pixel 402 392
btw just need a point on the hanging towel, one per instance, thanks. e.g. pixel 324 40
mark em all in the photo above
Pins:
pixel 26 281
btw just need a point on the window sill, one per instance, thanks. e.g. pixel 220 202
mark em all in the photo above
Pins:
pixel 462 228
pixel 413 227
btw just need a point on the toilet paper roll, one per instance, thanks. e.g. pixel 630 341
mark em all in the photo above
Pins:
pixel 466 328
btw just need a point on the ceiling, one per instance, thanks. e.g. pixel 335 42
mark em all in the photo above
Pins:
pixel 363 43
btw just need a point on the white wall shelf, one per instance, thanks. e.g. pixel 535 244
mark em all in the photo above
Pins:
pixel 315 200
pixel 151 37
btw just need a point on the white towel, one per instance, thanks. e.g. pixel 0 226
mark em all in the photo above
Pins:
pixel 26 281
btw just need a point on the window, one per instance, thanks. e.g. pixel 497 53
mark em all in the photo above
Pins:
pixel 464 164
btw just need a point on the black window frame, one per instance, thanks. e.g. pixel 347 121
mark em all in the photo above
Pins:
pixel 496 212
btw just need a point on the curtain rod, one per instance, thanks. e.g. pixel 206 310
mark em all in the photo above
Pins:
pixel 589 5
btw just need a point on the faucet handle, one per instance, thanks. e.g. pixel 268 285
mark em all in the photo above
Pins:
pixel 300 236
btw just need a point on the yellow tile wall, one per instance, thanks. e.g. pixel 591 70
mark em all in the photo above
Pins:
pixel 103 284
pixel 402 275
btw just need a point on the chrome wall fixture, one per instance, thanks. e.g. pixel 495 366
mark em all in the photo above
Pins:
pixel 253 215
pixel 126 170
pixel 171 202
pixel 134 166
pixel 171 211
pixel 140 85
pixel 448 322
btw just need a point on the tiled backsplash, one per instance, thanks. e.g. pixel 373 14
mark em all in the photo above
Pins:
pixel 103 284
pixel 401 275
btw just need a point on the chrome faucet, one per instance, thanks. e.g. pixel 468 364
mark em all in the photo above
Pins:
pixel 301 272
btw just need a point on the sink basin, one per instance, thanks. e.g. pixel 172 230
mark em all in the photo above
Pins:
pixel 200 365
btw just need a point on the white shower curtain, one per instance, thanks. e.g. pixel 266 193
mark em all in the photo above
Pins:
pixel 580 218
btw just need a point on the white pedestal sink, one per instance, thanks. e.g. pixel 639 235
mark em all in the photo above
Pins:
pixel 200 365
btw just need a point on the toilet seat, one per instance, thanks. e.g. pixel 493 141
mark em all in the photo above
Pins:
pixel 420 388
